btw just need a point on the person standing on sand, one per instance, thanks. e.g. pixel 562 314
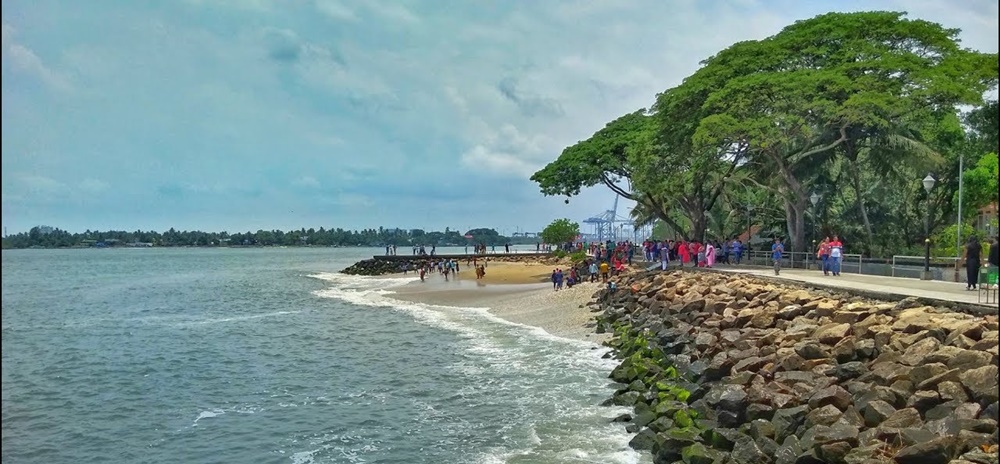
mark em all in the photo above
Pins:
pixel 559 279
pixel 593 270
pixel 973 255
pixel 605 270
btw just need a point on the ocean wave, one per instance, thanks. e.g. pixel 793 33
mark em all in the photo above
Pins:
pixel 536 371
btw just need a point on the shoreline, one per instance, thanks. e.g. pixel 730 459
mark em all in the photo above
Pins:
pixel 517 292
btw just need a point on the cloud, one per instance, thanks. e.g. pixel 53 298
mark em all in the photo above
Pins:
pixel 308 182
pixel 336 10
pixel 23 59
pixel 282 45
pixel 221 114
pixel 531 105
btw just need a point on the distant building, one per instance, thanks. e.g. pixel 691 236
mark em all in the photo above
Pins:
pixel 986 220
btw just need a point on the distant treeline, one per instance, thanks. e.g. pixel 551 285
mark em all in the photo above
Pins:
pixel 48 237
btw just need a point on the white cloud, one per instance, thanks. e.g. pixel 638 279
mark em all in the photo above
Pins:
pixel 257 92
pixel 93 186
pixel 336 10
pixel 23 59
pixel 306 182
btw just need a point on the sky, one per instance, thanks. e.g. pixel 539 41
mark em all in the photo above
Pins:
pixel 241 115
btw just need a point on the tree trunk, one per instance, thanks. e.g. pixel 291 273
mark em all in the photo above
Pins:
pixel 852 161
pixel 799 234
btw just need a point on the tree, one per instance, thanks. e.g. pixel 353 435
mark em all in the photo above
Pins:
pixel 560 231
pixel 832 84
pixel 600 159
pixel 980 184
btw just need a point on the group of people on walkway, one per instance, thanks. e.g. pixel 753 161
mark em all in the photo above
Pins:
pixel 830 253
pixel 693 252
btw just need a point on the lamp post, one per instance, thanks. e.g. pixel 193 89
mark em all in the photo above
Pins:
pixel 928 185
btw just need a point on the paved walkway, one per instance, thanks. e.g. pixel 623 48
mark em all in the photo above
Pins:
pixel 932 289
pixel 947 291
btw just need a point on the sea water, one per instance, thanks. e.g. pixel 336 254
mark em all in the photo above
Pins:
pixel 270 355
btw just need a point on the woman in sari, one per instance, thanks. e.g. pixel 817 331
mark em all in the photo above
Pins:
pixel 709 254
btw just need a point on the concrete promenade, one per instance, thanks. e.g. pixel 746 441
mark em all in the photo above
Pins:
pixel 894 286
pixel 874 286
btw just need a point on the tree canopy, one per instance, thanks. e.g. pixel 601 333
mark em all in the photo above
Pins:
pixel 848 109
pixel 560 231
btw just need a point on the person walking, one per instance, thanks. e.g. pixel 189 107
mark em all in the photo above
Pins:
pixel 776 251
pixel 823 253
pixel 836 255
pixel 973 255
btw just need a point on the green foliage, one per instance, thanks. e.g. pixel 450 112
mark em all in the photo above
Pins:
pixel 560 231
pixel 601 159
pixel 560 253
pixel 945 243
pixel 980 184
pixel 381 237
pixel 855 107
pixel 578 256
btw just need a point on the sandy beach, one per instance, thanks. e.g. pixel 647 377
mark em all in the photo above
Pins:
pixel 517 292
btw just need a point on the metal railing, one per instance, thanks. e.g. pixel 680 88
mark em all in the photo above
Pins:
pixel 913 267
pixel 849 262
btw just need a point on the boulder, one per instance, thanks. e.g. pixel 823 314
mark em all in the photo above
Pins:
pixel 830 334
pixel 876 412
pixel 981 383
pixel 833 395
pixel 826 415
pixel 939 450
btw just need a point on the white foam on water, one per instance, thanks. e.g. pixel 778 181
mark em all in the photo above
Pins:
pixel 305 457
pixel 236 318
pixel 207 415
pixel 508 356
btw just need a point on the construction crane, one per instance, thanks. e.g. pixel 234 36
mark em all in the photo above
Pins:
pixel 609 226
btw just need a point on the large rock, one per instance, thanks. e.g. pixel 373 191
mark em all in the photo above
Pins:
pixel 981 383
pixel 833 395
pixel 937 451
pixel 830 334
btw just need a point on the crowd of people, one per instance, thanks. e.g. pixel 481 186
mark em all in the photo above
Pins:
pixel 606 259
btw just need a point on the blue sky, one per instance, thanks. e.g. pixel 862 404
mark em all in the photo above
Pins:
pixel 248 114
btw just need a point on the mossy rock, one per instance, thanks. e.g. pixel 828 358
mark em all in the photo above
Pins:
pixel 700 454
pixel 683 419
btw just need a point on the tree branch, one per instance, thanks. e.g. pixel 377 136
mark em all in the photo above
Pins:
pixel 614 188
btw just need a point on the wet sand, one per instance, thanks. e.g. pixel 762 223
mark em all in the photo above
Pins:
pixel 517 292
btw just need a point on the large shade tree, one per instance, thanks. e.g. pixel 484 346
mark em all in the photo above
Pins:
pixel 836 83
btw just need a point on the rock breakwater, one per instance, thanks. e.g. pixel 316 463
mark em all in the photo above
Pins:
pixel 394 264
pixel 736 369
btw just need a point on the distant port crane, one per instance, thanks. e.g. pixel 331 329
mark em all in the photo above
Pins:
pixel 608 225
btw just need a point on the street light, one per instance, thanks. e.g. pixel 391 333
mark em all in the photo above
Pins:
pixel 814 198
pixel 928 185
pixel 705 215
